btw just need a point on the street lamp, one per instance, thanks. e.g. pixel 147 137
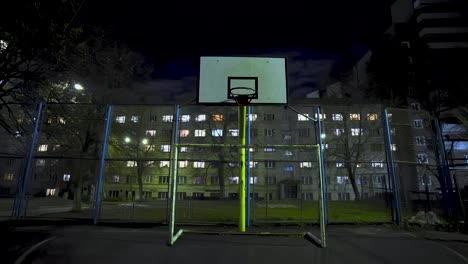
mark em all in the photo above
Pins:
pixel 78 87
pixel 144 141
pixel 323 135
pixel 127 140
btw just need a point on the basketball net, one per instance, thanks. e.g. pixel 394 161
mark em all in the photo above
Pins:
pixel 243 99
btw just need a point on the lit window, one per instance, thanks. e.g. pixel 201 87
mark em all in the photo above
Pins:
pixel 420 140
pixel 253 164
pixel 218 117
pixel 269 150
pixel 217 132
pixel 288 153
pixel 149 164
pixel 302 117
pixel 233 180
pixel 341 179
pixel 340 164
pixel 183 164
pixel 233 164
pixel 150 147
pixel 40 162
pixel 167 118
pixel 288 168
pixel 134 119
pixel 200 118
pixel 371 116
pixel 356 131
pixel 377 164
pixel 165 148
pixel 66 177
pixel 287 137
pixel 199 164
pixel 164 163
pixel 337 117
pixel 253 180
pixel 324 146
pixel 151 133
pixel 120 119
pixel 200 132
pixel 389 116
pixel 466 158
pixel 184 133
pixel 8 176
pixel 322 116
pixel 306 164
pixel 183 149
pixel 418 123
pixel 42 148
pixel 50 192
pixel 338 131
pixel 131 163
pixel 252 117
pixel 184 118
pixel 3 44
pixel 422 158
pixel 61 120
pixel 233 132
pixel 116 178
pixel 355 116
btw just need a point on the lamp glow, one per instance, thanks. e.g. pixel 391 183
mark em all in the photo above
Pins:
pixel 127 140
pixel 78 87
pixel 323 136
pixel 144 141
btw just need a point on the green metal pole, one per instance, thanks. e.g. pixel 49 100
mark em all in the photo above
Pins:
pixel 242 167
pixel 173 175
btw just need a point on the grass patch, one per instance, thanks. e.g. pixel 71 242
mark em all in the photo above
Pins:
pixel 227 211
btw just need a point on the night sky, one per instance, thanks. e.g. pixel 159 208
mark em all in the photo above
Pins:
pixel 319 40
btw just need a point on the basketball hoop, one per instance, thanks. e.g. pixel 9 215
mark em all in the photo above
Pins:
pixel 242 95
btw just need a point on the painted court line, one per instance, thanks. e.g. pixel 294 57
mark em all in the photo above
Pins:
pixel 31 249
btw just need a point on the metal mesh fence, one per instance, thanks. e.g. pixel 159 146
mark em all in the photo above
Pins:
pixel 414 146
pixel 62 182
pixel 284 181
pixel 17 122
pixel 357 181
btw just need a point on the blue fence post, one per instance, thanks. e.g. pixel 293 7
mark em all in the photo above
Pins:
pixel 97 203
pixel 322 163
pixel 443 169
pixel 20 200
pixel 391 166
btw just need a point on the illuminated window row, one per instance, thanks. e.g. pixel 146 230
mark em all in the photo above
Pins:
pixel 121 119
pixel 338 117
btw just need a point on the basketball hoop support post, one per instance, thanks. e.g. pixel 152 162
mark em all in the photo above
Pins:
pixel 242 165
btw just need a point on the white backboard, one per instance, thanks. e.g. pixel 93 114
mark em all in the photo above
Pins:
pixel 217 74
